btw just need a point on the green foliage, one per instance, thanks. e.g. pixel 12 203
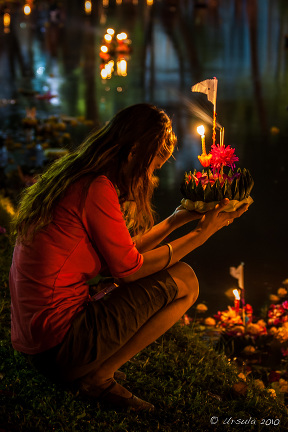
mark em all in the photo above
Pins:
pixel 183 376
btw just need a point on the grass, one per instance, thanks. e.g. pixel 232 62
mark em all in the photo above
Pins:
pixel 183 376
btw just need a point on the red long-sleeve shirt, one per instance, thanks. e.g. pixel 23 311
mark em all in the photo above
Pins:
pixel 48 278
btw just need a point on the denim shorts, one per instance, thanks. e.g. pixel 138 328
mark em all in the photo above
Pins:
pixel 105 325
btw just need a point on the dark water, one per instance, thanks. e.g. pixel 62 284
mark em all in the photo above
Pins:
pixel 175 44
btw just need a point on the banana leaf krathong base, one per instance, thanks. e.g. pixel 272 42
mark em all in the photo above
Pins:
pixel 203 190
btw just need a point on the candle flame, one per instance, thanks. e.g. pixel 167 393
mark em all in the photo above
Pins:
pixel 201 130
pixel 236 294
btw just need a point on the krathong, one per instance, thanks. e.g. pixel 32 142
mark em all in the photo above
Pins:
pixel 219 179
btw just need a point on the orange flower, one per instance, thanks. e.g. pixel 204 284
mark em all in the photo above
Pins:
pixel 205 159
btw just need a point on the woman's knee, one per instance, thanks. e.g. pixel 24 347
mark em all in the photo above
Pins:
pixel 186 280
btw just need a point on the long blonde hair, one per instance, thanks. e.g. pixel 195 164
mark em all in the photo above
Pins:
pixel 142 129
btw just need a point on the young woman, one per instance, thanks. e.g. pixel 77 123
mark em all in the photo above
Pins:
pixel 89 214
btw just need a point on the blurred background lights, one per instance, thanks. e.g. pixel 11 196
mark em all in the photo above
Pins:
pixel 122 67
pixel 121 36
pixel 27 9
pixel 6 22
pixel 104 49
pixel 108 38
pixel 110 66
pixel 40 70
pixel 110 31
pixel 88 7
pixel 104 73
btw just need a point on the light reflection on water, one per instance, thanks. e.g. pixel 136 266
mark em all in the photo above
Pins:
pixel 174 45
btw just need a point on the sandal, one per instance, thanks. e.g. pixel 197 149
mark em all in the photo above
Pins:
pixel 132 403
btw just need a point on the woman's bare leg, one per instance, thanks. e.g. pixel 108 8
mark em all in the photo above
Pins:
pixel 156 326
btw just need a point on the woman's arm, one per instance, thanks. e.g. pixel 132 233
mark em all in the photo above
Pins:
pixel 159 232
pixel 157 259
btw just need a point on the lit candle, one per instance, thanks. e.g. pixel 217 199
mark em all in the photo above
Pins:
pixel 237 300
pixel 201 131
pixel 204 159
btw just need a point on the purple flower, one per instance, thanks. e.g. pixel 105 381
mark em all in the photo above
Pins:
pixel 2 230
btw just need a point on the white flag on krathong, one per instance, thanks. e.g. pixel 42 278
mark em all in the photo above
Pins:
pixel 208 87
pixel 238 273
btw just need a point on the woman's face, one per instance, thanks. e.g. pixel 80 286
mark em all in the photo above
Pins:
pixel 159 160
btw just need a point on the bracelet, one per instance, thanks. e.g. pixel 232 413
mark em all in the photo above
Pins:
pixel 170 254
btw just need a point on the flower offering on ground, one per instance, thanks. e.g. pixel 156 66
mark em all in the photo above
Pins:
pixel 258 345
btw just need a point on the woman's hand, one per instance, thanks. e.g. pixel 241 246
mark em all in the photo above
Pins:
pixel 216 219
pixel 181 216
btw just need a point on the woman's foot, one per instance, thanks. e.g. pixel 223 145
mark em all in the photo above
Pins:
pixel 116 395
pixel 119 375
